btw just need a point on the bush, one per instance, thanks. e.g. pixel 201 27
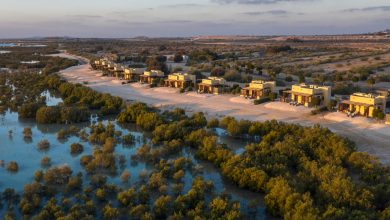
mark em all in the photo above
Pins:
pixel 319 110
pixel 262 100
pixel 48 115
pixel 273 96
pixel 58 175
pixel 46 161
pixel 74 114
pixel 128 139
pixel 148 121
pixel 289 79
pixel 76 148
pixel 125 176
pixel 13 167
pixel 213 123
pixel 43 145
pixel 27 132
pixel 378 114
pixel 28 110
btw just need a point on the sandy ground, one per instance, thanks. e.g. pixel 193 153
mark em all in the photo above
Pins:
pixel 354 63
pixel 369 136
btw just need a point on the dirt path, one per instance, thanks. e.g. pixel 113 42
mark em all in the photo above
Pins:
pixel 369 136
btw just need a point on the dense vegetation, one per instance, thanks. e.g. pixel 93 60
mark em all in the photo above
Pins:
pixel 304 172
pixel 19 58
pixel 29 101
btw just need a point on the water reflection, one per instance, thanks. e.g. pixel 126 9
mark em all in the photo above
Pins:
pixel 14 147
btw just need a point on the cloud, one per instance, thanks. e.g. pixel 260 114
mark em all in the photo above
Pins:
pixel 271 12
pixel 254 1
pixel 81 16
pixel 367 9
pixel 189 5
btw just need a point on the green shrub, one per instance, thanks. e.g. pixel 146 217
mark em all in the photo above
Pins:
pixel 27 132
pixel 128 139
pixel 46 161
pixel 13 167
pixel 76 148
pixel 28 110
pixel 43 145
pixel 319 110
pixel 261 100
pixel 48 115
pixel 213 123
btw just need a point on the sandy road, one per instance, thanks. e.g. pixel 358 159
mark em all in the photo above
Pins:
pixel 369 136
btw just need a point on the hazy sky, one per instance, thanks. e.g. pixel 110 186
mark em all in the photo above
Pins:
pixel 129 18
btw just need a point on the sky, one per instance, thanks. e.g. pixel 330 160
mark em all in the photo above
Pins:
pixel 185 18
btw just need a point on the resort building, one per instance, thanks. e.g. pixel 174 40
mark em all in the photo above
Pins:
pixel 118 71
pixel 104 64
pixel 100 64
pixel 97 64
pixel 364 104
pixel 149 77
pixel 258 89
pixel 110 68
pixel 180 80
pixel 133 74
pixel 307 95
pixel 212 85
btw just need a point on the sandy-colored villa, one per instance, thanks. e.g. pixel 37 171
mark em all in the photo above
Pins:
pixel 133 74
pixel 101 64
pixel 364 104
pixel 118 71
pixel 149 77
pixel 212 85
pixel 258 89
pixel 307 95
pixel 180 80
pixel 97 64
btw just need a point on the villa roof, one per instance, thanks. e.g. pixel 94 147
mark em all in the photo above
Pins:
pixel 298 93
pixel 248 88
pixel 348 102
pixel 215 85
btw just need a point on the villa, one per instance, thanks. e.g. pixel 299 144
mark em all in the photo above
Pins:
pixel 149 77
pixel 365 104
pixel 212 85
pixel 307 95
pixel 133 74
pixel 100 64
pixel 118 71
pixel 258 89
pixel 180 80
pixel 110 68
pixel 97 64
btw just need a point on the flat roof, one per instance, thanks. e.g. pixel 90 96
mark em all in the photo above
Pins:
pixel 298 93
pixel 248 88
pixel 355 103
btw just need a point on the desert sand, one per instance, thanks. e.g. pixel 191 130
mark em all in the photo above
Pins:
pixel 369 135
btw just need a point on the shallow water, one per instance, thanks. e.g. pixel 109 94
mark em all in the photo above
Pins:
pixel 13 147
pixel 7 45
